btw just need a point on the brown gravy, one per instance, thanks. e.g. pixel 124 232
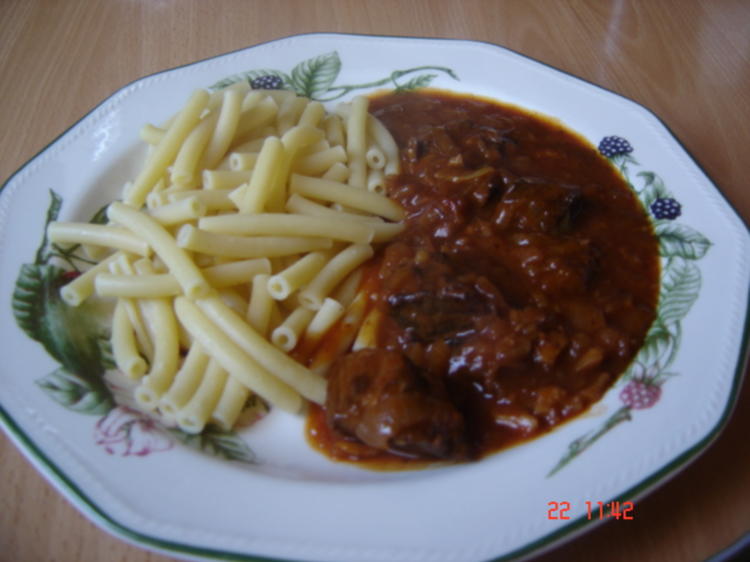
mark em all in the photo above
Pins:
pixel 522 287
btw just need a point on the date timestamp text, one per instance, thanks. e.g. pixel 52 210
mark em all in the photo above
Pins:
pixel 594 510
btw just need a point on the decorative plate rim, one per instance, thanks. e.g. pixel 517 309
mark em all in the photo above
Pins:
pixel 81 500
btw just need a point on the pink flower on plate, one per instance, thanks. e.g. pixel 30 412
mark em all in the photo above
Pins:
pixel 124 431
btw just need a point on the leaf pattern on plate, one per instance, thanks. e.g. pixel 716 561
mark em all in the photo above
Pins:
pixel 217 442
pixel 680 246
pixel 76 393
pixel 421 81
pixel 680 285
pixel 315 78
pixel 678 240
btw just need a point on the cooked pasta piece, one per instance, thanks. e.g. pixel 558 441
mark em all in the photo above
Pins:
pixel 334 129
pixel 296 275
pixel 124 348
pixel 293 141
pixel 310 385
pixel 225 129
pixel 376 182
pixel 234 300
pixel 179 211
pixel 283 224
pixel 97 234
pixel 226 245
pixel 315 147
pixel 82 287
pixel 212 200
pixel 312 114
pixel 251 99
pixel 186 162
pixel 338 172
pixel 367 336
pixel 288 333
pixel 374 157
pixel 319 162
pixel 179 263
pixel 255 196
pixel 256 117
pixel 299 204
pixel 164 334
pixel 341 193
pixel 289 113
pixel 325 317
pixel 165 152
pixel 299 137
pixel 243 160
pixel 385 142
pixel 348 289
pixel 186 381
pixel 193 416
pixel 121 266
pixel 232 357
pixel 333 273
pixel 225 179
pixel 356 139
pixel 156 199
pixel 256 143
pixel 347 331
pixel 236 272
pixel 279 96
pixel 232 400
pixel 166 285
pixel 260 306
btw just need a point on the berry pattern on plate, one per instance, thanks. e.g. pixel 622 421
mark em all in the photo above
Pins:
pixel 640 394
pixel 267 82
pixel 680 247
pixel 614 146
pixel 666 208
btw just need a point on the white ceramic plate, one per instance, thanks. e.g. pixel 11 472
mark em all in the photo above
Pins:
pixel 294 504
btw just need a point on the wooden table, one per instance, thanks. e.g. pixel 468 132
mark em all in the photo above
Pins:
pixel 687 61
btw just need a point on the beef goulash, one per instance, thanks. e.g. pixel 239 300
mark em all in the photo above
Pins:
pixel 521 288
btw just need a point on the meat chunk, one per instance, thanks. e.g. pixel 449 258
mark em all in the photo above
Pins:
pixel 431 313
pixel 554 265
pixel 537 206
pixel 430 299
pixel 379 398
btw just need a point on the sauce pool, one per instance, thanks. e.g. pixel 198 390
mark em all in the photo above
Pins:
pixel 522 287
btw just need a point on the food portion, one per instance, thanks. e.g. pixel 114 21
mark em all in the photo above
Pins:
pixel 241 235
pixel 385 401
pixel 522 286
pixel 433 276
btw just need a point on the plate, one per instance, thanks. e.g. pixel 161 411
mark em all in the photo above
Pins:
pixel 263 493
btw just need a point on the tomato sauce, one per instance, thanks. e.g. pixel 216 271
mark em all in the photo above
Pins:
pixel 522 287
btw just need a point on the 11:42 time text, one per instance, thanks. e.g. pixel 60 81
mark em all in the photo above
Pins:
pixel 594 510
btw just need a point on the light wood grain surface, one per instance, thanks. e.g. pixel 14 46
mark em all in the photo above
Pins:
pixel 688 61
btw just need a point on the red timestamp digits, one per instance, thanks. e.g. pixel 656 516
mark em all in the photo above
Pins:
pixel 558 510
pixel 615 509
pixel 594 510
